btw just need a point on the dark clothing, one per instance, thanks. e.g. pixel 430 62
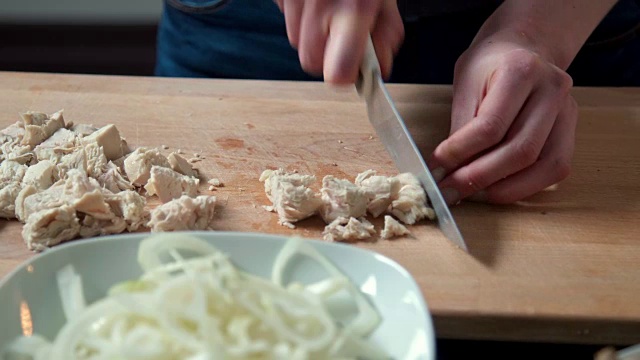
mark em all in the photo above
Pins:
pixel 247 39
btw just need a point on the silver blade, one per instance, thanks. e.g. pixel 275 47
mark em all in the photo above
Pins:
pixel 393 133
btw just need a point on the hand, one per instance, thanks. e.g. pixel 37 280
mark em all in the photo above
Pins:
pixel 512 125
pixel 331 35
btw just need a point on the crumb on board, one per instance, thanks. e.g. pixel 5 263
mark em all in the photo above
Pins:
pixel 215 182
pixel 165 147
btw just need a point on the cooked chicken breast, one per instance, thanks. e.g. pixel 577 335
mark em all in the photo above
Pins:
pixel 37 129
pixel 40 175
pixel 180 165
pixel 107 137
pixel 138 164
pixel 348 230
pixel 411 204
pixel 184 213
pixel 62 142
pixel 50 227
pixel 385 189
pixel 168 184
pixel 392 228
pixel 342 198
pixel 130 206
pixel 290 195
pixel 8 195
pixel 113 179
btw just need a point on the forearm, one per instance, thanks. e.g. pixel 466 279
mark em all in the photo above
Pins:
pixel 556 29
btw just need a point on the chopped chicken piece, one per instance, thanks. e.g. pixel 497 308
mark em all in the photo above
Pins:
pixel 10 148
pixel 83 129
pixel 26 191
pixel 50 227
pixel 179 164
pixel 108 137
pixel 130 206
pixel 40 175
pixel 37 132
pixel 34 118
pixel 169 185
pixel 215 182
pixel 11 171
pixel 8 195
pixel 96 160
pixel 15 152
pixel 184 213
pixel 75 160
pixel 342 198
pixel 90 226
pixel 348 230
pixel 385 190
pixel 119 162
pixel 62 142
pixel 113 180
pixel 392 228
pixel 290 195
pixel 39 200
pixel 126 149
pixel 86 195
pixel 411 204
pixel 138 164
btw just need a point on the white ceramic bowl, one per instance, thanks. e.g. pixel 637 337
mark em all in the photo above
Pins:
pixel 29 299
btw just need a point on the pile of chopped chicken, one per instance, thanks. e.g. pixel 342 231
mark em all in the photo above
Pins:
pixel 66 181
pixel 343 205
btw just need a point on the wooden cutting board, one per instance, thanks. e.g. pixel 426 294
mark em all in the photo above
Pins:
pixel 562 266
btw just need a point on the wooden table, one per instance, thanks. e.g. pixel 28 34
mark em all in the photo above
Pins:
pixel 562 266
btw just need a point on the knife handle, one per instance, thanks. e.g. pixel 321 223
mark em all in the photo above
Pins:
pixel 369 69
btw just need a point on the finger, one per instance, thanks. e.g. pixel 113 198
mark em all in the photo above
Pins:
pixel 468 93
pixel 505 98
pixel 387 36
pixel 280 4
pixel 350 27
pixel 292 10
pixel 520 150
pixel 314 31
pixel 553 166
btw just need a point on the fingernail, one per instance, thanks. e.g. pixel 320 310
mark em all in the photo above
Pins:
pixel 451 196
pixel 480 196
pixel 438 174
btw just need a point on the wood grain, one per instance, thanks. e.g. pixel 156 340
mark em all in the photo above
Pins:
pixel 561 266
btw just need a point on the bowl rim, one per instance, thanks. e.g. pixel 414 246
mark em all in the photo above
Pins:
pixel 87 242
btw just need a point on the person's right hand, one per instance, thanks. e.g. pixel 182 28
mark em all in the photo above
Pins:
pixel 331 35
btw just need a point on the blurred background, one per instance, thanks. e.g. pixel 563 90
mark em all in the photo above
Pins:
pixel 79 36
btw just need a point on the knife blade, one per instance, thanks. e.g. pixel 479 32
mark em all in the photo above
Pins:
pixel 399 143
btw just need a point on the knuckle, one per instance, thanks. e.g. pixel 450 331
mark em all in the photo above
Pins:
pixel 522 64
pixel 491 129
pixel 525 152
pixel 562 82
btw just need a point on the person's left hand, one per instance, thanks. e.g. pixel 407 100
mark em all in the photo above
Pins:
pixel 513 125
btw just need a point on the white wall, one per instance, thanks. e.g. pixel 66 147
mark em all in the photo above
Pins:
pixel 81 11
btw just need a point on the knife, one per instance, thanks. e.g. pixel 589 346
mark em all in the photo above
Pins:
pixel 393 133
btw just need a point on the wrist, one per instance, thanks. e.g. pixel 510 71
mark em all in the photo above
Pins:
pixel 555 30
